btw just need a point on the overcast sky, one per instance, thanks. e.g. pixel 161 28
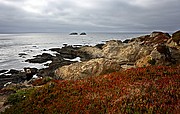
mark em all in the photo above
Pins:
pixel 89 15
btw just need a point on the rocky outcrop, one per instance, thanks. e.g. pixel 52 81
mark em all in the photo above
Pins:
pixel 153 49
pixel 16 76
pixel 152 39
pixel 117 50
pixel 94 52
pixel 71 52
pixel 83 33
pixel 145 61
pixel 40 58
pixel 176 37
pixel 94 67
pixel 73 33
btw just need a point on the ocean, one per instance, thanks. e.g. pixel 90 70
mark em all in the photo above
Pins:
pixel 31 44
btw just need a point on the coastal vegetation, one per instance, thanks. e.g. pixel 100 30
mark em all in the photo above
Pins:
pixel 151 90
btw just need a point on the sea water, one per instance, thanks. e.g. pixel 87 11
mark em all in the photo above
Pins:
pixel 31 44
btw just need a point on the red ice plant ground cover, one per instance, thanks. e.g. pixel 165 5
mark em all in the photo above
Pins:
pixel 150 90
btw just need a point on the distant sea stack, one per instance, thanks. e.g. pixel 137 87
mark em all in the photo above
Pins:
pixel 73 33
pixel 83 33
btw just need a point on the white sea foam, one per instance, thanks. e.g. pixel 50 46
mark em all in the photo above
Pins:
pixel 75 59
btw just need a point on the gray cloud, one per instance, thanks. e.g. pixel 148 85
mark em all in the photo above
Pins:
pixel 88 15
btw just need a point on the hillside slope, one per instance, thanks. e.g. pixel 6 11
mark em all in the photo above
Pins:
pixel 153 89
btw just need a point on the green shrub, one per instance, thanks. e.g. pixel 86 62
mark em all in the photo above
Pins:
pixel 19 96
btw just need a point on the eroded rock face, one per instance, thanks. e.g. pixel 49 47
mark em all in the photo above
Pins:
pixel 130 52
pixel 117 50
pixel 144 61
pixel 94 52
pixel 94 67
pixel 176 37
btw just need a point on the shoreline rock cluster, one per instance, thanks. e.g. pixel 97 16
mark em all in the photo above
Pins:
pixel 158 48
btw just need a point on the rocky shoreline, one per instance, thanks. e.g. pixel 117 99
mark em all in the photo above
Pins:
pixel 158 48
pixel 135 52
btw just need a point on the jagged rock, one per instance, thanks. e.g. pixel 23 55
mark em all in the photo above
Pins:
pixel 93 52
pixel 52 67
pixel 30 72
pixel 156 33
pixel 100 46
pixel 3 71
pixel 13 71
pixel 71 52
pixel 145 61
pixel 163 49
pixel 126 41
pixel 40 58
pixel 175 53
pixel 159 58
pixel 131 52
pixel 176 37
pixel 94 67
pixel 118 50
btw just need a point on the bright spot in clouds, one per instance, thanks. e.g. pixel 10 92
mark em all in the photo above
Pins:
pixel 89 15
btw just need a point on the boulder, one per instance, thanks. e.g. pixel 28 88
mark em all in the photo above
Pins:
pixel 92 52
pixel 100 46
pixel 156 33
pixel 94 67
pixel 163 49
pixel 30 72
pixel 130 52
pixel 176 37
pixel 127 41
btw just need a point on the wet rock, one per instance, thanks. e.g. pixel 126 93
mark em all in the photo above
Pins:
pixel 30 72
pixel 83 33
pixel 56 63
pixel 3 71
pixel 100 46
pixel 22 54
pixel 126 41
pixel 40 58
pixel 73 33
pixel 13 71
pixel 16 76
pixel 71 52
pixel 67 52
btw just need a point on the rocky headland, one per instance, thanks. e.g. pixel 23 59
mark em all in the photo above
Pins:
pixel 156 49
